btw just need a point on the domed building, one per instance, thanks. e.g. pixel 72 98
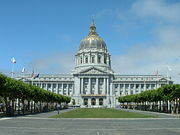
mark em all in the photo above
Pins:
pixel 93 82
pixel 93 70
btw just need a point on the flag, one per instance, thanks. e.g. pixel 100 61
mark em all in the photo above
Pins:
pixel 36 76
pixel 13 60
pixel 32 75
pixel 170 69
pixel 23 70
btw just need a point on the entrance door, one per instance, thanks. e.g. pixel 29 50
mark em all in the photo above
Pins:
pixel 101 101
pixel 85 101
pixel 93 101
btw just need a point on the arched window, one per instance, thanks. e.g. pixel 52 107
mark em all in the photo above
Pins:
pixel 86 59
pixel 101 101
pixel 99 59
pixel 85 101
pixel 92 59
pixel 93 101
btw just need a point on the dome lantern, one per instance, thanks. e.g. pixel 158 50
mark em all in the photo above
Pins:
pixel 93 28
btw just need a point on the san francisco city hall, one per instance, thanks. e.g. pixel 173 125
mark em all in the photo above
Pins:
pixel 93 83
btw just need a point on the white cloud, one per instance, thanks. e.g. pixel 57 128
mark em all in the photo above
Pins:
pixel 157 8
pixel 104 12
pixel 146 58
pixel 142 58
pixel 61 63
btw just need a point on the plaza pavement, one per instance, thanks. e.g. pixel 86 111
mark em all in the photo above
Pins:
pixel 160 115
pixel 48 114
pixel 41 125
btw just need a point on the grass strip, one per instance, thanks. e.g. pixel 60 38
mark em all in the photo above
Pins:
pixel 100 113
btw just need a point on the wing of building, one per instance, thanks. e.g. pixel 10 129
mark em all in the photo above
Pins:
pixel 93 83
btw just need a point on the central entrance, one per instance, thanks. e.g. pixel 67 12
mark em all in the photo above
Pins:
pixel 93 101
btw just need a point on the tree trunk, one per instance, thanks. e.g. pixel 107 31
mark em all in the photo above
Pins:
pixel 23 106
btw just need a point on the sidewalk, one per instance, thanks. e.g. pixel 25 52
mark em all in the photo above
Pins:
pixel 161 115
pixel 47 114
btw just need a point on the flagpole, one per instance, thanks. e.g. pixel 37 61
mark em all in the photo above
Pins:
pixel 23 70
pixel 12 71
pixel 167 73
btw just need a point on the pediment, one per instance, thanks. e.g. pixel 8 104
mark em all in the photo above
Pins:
pixel 163 79
pixel 93 70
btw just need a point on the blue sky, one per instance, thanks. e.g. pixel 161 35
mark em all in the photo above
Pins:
pixel 44 35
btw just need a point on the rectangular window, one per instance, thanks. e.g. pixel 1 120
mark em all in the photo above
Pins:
pixel 116 86
pixel 92 59
pixel 132 86
pixel 137 86
pixel 142 86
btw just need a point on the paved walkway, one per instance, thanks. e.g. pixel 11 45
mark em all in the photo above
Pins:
pixel 54 126
pixel 161 115
pixel 47 114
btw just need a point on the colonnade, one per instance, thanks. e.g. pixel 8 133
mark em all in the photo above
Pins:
pixel 64 88
pixel 96 86
pixel 122 89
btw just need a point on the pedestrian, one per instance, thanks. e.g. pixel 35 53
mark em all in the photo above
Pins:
pixel 58 108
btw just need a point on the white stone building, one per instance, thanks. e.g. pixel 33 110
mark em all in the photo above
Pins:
pixel 93 83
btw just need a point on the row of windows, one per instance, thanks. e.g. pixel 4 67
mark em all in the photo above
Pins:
pixel 134 86
pixel 93 60
pixel 55 78
pixel 133 78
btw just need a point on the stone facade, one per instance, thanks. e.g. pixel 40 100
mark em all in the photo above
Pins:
pixel 93 82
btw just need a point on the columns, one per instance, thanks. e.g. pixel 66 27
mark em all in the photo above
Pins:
pixel 128 88
pixel 89 101
pixel 150 86
pixel 97 101
pixel 102 58
pixel 124 89
pixel 144 86
pixel 46 86
pixel 89 86
pixel 57 90
pixel 67 92
pixel 61 88
pixel 73 89
pixel 40 84
pixel 119 90
pixel 97 86
pixel 51 87
pixel 108 90
pixel 80 91
pixel 82 88
pixel 104 86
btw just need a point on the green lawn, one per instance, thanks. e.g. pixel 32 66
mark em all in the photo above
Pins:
pixel 100 113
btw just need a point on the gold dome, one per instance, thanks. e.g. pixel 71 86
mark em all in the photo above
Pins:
pixel 93 40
